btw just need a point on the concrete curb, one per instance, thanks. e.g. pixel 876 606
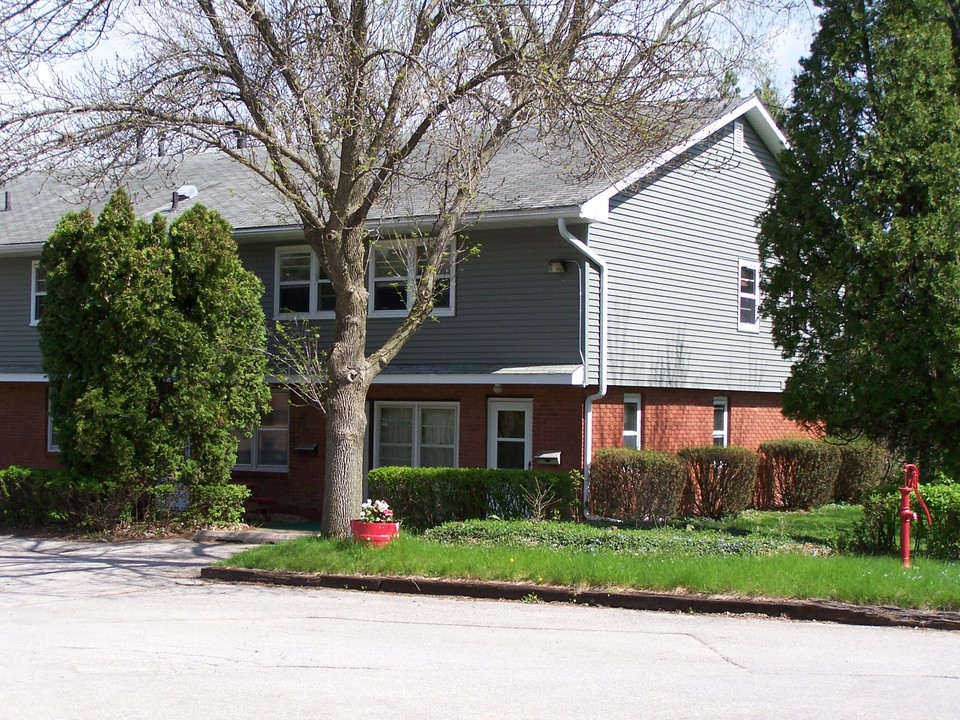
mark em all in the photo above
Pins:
pixel 819 610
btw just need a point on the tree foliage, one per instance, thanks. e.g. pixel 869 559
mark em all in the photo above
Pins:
pixel 347 106
pixel 861 240
pixel 152 338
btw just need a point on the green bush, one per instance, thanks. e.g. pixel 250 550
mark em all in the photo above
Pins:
pixel 720 480
pixel 796 473
pixel 638 486
pixel 879 532
pixel 34 497
pixel 425 497
pixel 204 504
pixel 863 468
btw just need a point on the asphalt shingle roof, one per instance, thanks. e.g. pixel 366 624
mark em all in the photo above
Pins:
pixel 526 175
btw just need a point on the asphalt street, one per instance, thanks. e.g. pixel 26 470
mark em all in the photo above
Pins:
pixel 127 630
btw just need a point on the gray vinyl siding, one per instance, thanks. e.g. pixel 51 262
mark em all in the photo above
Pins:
pixel 509 309
pixel 672 246
pixel 20 349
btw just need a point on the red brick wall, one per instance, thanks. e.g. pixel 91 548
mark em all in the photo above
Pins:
pixel 672 419
pixel 23 417
pixel 557 425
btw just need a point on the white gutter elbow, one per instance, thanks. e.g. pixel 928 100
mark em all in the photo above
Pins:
pixel 598 262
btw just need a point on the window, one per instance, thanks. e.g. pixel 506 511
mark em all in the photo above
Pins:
pixel 268 447
pixel 38 292
pixel 53 437
pixel 631 422
pixel 396 269
pixel 721 422
pixel 749 295
pixel 416 434
pixel 301 287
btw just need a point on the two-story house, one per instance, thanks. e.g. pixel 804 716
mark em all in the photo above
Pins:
pixel 594 315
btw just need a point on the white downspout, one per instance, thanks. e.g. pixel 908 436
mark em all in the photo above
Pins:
pixel 601 266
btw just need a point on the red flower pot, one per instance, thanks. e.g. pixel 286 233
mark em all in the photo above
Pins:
pixel 375 534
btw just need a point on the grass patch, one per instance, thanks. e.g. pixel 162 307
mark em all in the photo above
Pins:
pixel 862 580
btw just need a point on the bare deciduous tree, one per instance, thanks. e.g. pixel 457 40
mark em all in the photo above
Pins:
pixel 346 105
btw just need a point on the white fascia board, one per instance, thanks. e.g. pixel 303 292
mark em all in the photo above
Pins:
pixel 751 108
pixel 506 378
pixel 22 250
pixel 23 378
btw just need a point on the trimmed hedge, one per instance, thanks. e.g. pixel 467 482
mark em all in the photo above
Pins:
pixel 796 473
pixel 637 486
pixel 33 497
pixel 425 497
pixel 720 480
pixel 879 532
pixel 863 468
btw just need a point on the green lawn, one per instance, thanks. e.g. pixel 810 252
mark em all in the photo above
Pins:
pixel 821 526
pixel 755 556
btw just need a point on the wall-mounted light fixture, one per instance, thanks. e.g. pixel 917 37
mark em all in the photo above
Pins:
pixel 557 266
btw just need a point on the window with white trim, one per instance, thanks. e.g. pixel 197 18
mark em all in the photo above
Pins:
pixel 301 287
pixel 721 421
pixel 631 422
pixel 748 296
pixel 269 446
pixel 38 292
pixel 396 269
pixel 415 434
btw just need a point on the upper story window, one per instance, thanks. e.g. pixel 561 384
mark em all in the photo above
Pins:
pixel 415 434
pixel 396 269
pixel 268 447
pixel 749 296
pixel 38 292
pixel 631 422
pixel 301 287
pixel 721 422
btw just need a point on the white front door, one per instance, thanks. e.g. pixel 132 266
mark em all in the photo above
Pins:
pixel 510 434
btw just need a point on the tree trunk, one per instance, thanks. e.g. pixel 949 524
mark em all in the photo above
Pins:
pixel 348 378
pixel 343 471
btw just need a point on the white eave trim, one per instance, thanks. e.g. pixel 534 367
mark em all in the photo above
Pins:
pixel 22 250
pixel 23 378
pixel 496 378
pixel 756 114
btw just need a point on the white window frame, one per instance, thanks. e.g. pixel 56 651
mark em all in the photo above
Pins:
pixel 34 293
pixel 411 280
pixel 254 464
pixel 723 434
pixel 312 311
pixel 635 432
pixel 755 295
pixel 52 446
pixel 415 427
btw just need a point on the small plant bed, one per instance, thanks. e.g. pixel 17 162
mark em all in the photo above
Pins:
pixel 863 580
pixel 828 525
pixel 677 541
